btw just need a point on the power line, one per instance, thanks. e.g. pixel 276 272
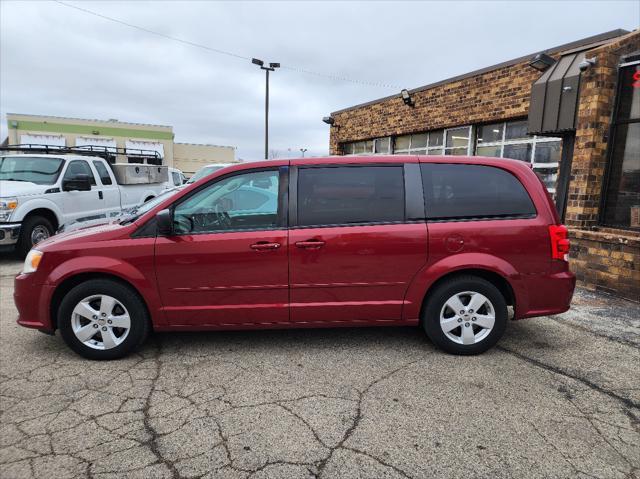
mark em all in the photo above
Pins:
pixel 224 52
pixel 146 30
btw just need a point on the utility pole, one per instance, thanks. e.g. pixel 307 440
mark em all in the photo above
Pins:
pixel 270 68
pixel 303 151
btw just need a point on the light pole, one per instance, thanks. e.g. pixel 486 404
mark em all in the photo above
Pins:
pixel 303 151
pixel 270 68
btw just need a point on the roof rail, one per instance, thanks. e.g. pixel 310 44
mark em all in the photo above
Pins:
pixel 109 153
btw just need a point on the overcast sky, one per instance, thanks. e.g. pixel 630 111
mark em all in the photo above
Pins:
pixel 55 60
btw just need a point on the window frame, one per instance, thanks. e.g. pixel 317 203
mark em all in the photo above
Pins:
pixel 370 152
pixel 282 213
pixel 613 124
pixel 531 140
pixel 413 204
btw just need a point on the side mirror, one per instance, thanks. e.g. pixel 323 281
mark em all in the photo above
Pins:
pixel 77 183
pixel 165 222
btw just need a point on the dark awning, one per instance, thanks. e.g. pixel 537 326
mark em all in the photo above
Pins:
pixel 554 97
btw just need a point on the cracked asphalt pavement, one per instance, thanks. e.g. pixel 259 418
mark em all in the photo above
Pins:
pixel 559 397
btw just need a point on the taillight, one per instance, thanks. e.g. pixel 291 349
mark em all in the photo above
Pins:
pixel 559 242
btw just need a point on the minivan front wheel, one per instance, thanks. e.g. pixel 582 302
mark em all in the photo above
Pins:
pixel 465 315
pixel 102 319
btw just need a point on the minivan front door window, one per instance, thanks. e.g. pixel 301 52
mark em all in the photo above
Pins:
pixel 239 202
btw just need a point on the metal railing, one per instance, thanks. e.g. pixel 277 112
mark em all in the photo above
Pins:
pixel 109 153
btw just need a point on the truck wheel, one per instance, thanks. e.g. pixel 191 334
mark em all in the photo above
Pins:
pixel 103 319
pixel 34 229
pixel 465 315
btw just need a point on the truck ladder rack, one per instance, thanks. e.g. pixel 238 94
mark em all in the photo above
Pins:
pixel 109 153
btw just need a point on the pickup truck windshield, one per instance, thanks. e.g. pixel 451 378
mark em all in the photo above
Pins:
pixel 34 169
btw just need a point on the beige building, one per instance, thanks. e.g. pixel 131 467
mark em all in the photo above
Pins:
pixel 193 156
pixel 60 131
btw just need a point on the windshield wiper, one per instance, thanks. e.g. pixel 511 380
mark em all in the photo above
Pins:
pixel 14 179
pixel 128 217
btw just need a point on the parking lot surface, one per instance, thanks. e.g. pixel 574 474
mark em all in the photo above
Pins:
pixel 559 397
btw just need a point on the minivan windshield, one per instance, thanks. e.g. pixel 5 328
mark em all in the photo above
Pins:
pixel 138 211
pixel 207 170
pixel 33 169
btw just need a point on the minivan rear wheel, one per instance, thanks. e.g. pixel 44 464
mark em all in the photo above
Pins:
pixel 465 315
pixel 103 319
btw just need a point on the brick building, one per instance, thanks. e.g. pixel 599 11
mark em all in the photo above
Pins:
pixel 572 111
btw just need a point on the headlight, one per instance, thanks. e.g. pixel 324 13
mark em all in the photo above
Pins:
pixel 32 261
pixel 7 205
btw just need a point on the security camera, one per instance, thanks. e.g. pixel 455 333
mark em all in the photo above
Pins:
pixel 585 64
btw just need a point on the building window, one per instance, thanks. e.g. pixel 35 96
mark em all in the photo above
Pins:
pixel 368 147
pixel 432 143
pixel 457 141
pixel 382 145
pixel 621 206
pixel 510 140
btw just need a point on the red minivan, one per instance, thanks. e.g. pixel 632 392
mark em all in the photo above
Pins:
pixel 456 245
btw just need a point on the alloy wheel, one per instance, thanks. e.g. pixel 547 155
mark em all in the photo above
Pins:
pixel 467 317
pixel 100 322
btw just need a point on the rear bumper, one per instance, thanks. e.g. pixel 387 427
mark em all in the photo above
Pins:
pixel 33 303
pixel 9 233
pixel 551 294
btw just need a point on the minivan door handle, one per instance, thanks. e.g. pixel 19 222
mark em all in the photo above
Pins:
pixel 310 244
pixel 264 245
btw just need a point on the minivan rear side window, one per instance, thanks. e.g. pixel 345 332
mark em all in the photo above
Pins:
pixel 343 195
pixel 457 191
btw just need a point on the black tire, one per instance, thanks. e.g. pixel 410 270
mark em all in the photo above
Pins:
pixel 436 302
pixel 29 224
pixel 139 327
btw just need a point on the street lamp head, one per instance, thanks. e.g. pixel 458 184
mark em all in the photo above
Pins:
pixel 274 65
pixel 256 61
pixel 329 120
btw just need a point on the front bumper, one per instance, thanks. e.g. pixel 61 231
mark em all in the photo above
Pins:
pixel 33 303
pixel 9 233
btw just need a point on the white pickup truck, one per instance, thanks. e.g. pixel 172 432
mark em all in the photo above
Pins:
pixel 41 192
